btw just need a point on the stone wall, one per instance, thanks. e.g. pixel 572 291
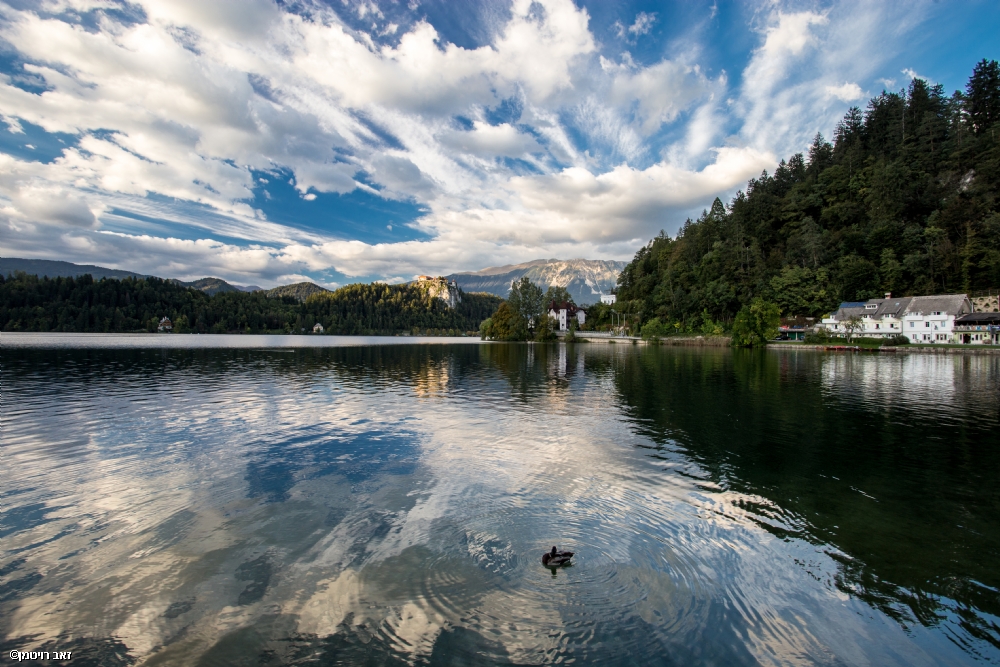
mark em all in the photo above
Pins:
pixel 986 304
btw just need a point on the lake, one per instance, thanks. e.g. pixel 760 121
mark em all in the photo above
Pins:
pixel 216 500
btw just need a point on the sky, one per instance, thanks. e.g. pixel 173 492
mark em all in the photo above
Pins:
pixel 271 142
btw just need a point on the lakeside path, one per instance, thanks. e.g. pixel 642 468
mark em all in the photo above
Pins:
pixel 901 349
pixel 201 341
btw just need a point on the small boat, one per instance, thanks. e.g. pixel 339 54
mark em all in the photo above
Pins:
pixel 556 558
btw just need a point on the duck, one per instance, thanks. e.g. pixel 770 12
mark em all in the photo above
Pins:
pixel 556 558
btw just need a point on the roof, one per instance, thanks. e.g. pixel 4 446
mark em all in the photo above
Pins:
pixel 565 305
pixel 949 304
pixel 892 307
pixel 978 318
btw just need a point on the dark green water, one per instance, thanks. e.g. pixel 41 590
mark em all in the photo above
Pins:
pixel 389 505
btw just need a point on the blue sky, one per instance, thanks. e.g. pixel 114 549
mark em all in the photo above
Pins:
pixel 345 141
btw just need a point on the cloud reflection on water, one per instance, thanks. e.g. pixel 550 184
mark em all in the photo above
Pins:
pixel 390 502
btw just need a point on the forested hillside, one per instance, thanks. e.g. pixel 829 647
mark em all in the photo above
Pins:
pixel 29 303
pixel 904 200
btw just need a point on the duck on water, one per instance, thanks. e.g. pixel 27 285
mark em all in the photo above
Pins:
pixel 556 558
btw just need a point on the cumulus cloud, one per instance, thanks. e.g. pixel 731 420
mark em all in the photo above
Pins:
pixel 178 110
pixel 847 92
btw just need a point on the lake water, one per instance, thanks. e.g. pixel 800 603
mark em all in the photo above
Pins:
pixel 233 502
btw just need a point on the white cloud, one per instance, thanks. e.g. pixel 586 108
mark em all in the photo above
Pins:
pixel 794 84
pixel 642 25
pixel 486 140
pixel 911 74
pixel 847 92
pixel 176 114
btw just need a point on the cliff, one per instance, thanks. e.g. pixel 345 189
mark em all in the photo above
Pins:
pixel 440 288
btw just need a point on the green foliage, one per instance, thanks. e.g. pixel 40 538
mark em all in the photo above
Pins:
pixel 823 337
pixel 82 304
pixel 820 337
pixel 904 200
pixel 709 327
pixel 526 301
pixel 756 323
pixel 570 336
pixel 557 294
pixel 852 325
pixel 506 324
pixel 654 329
pixel 298 291
pixel 544 332
pixel 800 289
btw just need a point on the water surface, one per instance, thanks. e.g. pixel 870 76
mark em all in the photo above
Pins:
pixel 388 504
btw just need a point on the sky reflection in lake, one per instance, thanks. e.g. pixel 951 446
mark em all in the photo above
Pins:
pixel 391 503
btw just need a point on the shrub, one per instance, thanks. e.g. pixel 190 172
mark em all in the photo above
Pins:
pixel 543 332
pixel 654 328
pixel 571 333
pixel 756 323
pixel 818 337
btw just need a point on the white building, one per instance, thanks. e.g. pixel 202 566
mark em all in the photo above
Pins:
pixel 564 313
pixel 922 319
pixel 317 328
pixel 931 319
pixel 608 299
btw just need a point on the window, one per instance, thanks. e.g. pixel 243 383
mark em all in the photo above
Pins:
pixel 913 324
pixel 927 324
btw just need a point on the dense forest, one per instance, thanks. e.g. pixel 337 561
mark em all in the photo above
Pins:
pixel 29 303
pixel 905 200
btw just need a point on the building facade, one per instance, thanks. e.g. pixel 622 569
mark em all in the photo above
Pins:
pixel 564 313
pixel 608 299
pixel 978 329
pixel 922 319
pixel 931 319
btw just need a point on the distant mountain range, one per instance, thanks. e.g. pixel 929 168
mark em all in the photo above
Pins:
pixel 57 269
pixel 53 269
pixel 584 279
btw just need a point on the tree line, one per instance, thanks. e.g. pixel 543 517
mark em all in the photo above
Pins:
pixel 82 304
pixel 904 200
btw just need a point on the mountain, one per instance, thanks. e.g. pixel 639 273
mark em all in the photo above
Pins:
pixel 213 286
pixel 300 291
pixel 55 269
pixel 584 279
pixel 210 286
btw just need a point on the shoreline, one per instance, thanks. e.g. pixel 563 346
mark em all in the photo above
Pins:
pixel 38 340
pixel 905 349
